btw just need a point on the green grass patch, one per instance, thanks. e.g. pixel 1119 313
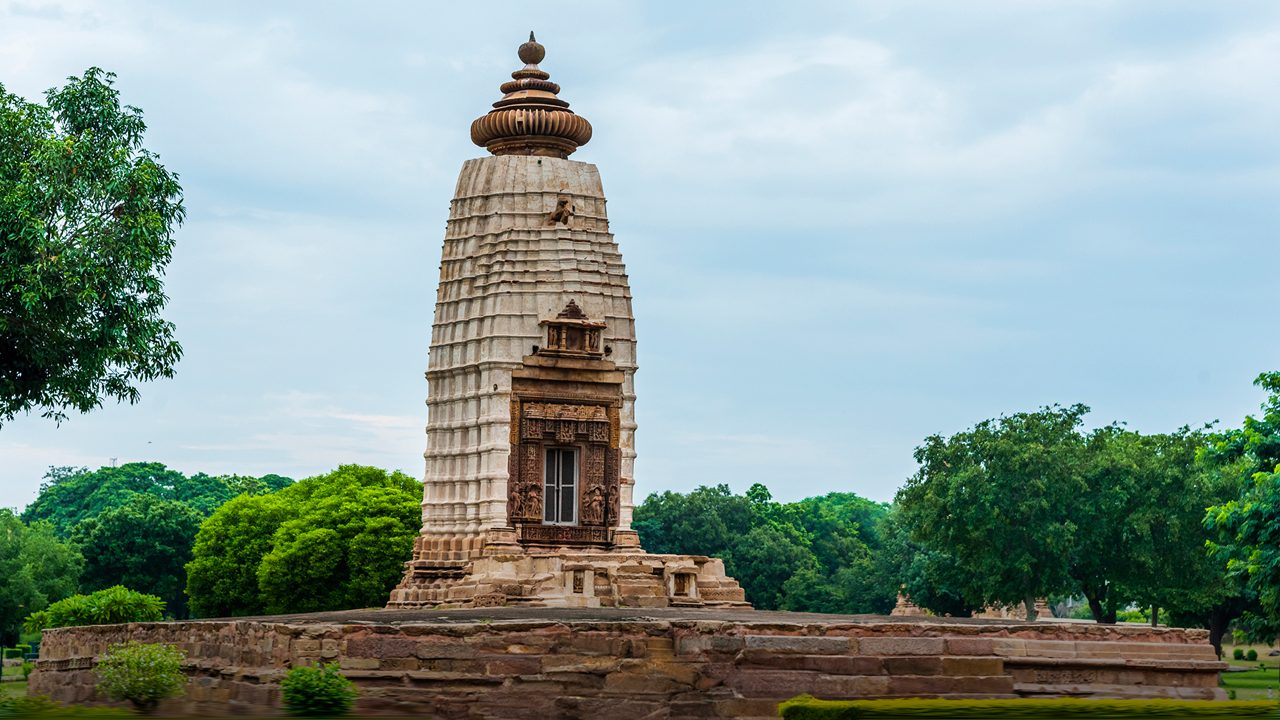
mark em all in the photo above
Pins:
pixel 1257 684
pixel 808 708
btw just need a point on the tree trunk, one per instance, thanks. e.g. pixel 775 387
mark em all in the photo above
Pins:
pixel 1030 603
pixel 1155 616
pixel 1218 622
pixel 1095 606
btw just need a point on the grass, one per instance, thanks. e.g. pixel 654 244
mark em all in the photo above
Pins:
pixel 1261 682
pixel 13 689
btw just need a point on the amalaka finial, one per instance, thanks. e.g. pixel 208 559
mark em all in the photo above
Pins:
pixel 532 52
pixel 530 119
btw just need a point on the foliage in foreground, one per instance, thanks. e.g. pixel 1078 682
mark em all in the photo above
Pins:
pixel 141 673
pixel 809 708
pixel 87 216
pixel 113 605
pixel 317 691
pixel 331 542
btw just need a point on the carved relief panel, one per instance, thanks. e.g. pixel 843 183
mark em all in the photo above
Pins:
pixel 539 425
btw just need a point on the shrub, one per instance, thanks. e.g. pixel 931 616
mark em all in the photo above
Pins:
pixel 114 605
pixel 28 667
pixel 317 691
pixel 1252 655
pixel 1238 654
pixel 142 673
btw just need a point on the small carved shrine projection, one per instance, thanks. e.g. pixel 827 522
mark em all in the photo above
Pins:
pixel 572 334
pixel 565 459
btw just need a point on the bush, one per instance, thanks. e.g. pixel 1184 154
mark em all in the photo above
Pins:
pixel 1252 655
pixel 808 708
pixel 114 605
pixel 317 691
pixel 144 674
pixel 28 667
pixel 1238 654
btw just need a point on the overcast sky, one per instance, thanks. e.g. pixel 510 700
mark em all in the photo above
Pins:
pixel 847 225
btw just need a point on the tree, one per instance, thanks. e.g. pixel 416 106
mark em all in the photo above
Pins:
pixel 932 579
pixel 993 497
pixel 813 555
pixel 35 568
pixel 144 544
pixel 87 216
pixel 1246 529
pixel 330 542
pixel 70 496
pixel 706 521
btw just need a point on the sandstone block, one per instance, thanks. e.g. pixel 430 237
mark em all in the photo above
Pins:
pixel 773 683
pixel 934 685
pixel 972 666
pixel 970 646
pixel 847 687
pixel 900 646
pixel 698 644
pixel 913 665
pixel 802 645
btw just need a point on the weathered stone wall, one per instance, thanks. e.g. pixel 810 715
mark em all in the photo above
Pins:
pixel 697 666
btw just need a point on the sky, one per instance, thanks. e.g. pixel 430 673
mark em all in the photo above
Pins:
pixel 848 226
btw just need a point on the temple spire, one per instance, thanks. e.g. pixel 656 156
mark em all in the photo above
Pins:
pixel 530 119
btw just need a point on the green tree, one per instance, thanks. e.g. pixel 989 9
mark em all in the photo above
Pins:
pixel 706 521
pixel 993 497
pixel 1246 529
pixel 222 577
pixel 35 569
pixel 70 495
pixel 814 555
pixel 330 542
pixel 144 544
pixel 87 216
pixel 932 579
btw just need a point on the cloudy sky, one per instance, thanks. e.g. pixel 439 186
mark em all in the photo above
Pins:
pixel 945 211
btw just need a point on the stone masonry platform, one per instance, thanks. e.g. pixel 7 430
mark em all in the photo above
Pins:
pixel 648 663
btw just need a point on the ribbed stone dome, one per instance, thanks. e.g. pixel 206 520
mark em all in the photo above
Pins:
pixel 530 119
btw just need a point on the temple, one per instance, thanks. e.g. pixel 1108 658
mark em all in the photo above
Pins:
pixel 531 402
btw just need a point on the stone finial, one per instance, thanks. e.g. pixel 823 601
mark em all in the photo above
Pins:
pixel 530 119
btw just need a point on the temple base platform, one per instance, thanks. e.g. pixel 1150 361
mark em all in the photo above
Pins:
pixel 673 662
pixel 568 578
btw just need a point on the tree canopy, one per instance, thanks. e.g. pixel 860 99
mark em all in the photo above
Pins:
pixel 144 545
pixel 1247 528
pixel 813 555
pixel 329 542
pixel 36 568
pixel 70 495
pixel 87 216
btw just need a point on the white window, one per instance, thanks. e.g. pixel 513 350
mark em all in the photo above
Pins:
pixel 560 496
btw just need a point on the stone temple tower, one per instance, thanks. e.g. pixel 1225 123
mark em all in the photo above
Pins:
pixel 531 402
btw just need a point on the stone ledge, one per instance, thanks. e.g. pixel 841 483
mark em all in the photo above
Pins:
pixel 597 663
